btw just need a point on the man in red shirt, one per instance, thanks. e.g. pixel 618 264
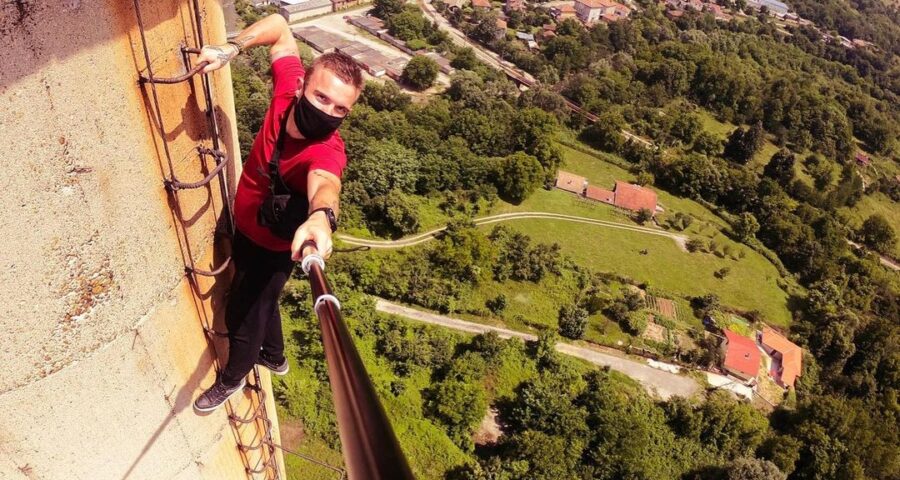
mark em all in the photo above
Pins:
pixel 287 195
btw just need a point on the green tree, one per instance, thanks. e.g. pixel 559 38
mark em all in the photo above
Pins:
pixel 459 406
pixel 421 72
pixel 463 253
pixel 572 321
pixel 706 143
pixel 497 304
pixel 748 468
pixel 877 233
pixel 398 211
pixel 384 166
pixel 410 24
pixel 781 450
pixel 730 427
pixel 464 59
pixel 745 227
pixel 635 323
pixel 384 9
pixel 384 96
pixel 643 216
pixel 483 26
pixel 606 133
pixel 744 143
pixel 781 167
pixel 519 175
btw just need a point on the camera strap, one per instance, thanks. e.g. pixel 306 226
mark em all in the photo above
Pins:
pixel 277 186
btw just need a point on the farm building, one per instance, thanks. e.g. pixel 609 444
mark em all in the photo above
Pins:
pixel 741 356
pixel 786 357
pixel 570 182
pixel 625 195
pixel 594 192
pixel 634 197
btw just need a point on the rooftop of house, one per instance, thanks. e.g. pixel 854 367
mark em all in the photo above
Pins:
pixel 597 3
pixel 634 197
pixel 601 194
pixel 481 4
pixel 570 181
pixel 741 354
pixel 791 354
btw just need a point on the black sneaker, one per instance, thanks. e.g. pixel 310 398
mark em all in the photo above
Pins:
pixel 216 396
pixel 276 368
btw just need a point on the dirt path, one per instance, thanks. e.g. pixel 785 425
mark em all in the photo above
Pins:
pixel 887 262
pixel 681 240
pixel 658 382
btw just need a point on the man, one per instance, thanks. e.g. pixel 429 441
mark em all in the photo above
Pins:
pixel 299 137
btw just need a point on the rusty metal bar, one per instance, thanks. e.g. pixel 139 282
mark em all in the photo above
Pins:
pixel 221 161
pixel 211 114
pixel 370 447
pixel 149 78
pixel 309 459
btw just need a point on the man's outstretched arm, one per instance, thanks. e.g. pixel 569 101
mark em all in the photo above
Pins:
pixel 272 30
pixel 324 190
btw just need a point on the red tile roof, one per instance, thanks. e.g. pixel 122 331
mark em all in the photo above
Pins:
pixel 741 354
pixel 481 4
pixel 600 194
pixel 791 355
pixel 634 197
pixel 566 8
pixel 597 3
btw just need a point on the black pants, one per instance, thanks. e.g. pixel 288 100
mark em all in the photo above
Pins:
pixel 252 315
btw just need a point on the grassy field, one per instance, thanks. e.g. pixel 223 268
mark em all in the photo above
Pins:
pixel 750 285
pixel 724 129
pixel 872 204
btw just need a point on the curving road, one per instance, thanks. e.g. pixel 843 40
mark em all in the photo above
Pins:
pixel 681 240
pixel 656 381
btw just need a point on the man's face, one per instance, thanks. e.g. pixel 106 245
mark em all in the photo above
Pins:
pixel 327 92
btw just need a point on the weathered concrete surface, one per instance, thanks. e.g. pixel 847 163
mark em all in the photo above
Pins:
pixel 101 345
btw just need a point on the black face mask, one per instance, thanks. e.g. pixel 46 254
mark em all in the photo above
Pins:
pixel 313 123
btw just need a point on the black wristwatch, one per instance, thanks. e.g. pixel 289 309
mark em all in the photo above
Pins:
pixel 329 214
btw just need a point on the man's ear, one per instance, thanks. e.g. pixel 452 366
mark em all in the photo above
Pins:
pixel 299 87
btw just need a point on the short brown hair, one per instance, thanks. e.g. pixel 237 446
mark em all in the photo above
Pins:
pixel 342 65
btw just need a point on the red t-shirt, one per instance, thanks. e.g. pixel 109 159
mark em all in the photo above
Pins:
pixel 298 158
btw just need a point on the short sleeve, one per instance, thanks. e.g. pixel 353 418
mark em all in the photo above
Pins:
pixel 285 72
pixel 326 157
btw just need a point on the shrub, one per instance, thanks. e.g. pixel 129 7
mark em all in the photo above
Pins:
pixel 572 321
pixel 421 72
pixel 497 304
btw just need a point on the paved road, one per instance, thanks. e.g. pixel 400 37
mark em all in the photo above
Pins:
pixel 658 382
pixel 681 240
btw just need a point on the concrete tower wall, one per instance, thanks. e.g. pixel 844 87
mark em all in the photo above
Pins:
pixel 102 349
